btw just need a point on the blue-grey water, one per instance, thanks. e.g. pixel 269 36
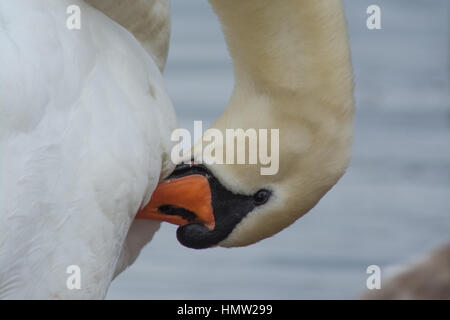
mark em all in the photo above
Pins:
pixel 392 205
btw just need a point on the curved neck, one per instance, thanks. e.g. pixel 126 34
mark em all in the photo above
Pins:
pixel 148 20
pixel 294 46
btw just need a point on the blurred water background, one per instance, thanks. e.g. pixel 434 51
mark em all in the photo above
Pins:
pixel 392 205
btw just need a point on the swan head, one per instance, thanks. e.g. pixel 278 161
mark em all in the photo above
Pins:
pixel 292 74
pixel 233 205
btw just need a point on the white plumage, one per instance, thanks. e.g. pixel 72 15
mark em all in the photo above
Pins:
pixel 85 124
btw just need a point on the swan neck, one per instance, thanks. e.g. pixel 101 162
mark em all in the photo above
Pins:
pixel 295 46
pixel 147 20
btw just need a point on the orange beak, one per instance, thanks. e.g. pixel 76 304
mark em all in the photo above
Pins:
pixel 191 193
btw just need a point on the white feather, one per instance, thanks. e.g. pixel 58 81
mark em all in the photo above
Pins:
pixel 84 128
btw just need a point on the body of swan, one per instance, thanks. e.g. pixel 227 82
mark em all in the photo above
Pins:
pixel 428 279
pixel 85 158
pixel 293 73
pixel 85 124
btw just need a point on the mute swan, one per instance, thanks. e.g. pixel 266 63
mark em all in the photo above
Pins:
pixel 428 279
pixel 85 160
pixel 85 124
pixel 292 72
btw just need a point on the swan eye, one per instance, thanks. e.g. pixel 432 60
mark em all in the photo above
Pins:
pixel 261 196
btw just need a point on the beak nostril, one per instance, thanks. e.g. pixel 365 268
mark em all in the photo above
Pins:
pixel 183 169
pixel 172 210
